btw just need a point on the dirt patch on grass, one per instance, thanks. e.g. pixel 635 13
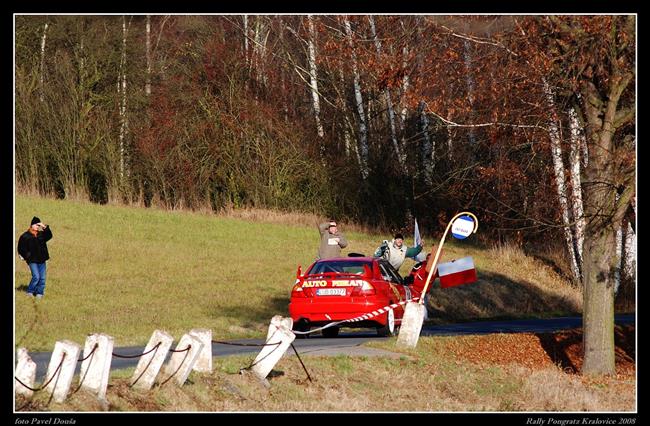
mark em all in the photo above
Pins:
pixel 541 350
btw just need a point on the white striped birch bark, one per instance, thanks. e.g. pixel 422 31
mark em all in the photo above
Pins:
pixel 313 78
pixel 363 136
pixel 389 102
pixel 122 92
pixel 558 168
pixel 577 141
pixel 42 70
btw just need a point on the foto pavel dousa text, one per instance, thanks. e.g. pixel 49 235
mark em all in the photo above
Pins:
pixel 45 421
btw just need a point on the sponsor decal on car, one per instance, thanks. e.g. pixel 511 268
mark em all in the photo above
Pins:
pixel 335 283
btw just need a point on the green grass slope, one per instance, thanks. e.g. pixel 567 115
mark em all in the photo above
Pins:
pixel 126 271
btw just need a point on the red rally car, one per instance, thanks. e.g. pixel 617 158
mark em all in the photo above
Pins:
pixel 348 287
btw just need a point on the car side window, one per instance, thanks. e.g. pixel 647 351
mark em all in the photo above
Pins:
pixel 389 273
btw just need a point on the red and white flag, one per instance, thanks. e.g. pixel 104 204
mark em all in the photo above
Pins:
pixel 457 272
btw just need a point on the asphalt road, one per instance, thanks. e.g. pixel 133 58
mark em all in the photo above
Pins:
pixel 349 341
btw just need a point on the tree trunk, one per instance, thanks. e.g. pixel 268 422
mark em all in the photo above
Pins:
pixel 147 86
pixel 363 136
pixel 313 79
pixel 389 102
pixel 577 141
pixel 558 167
pixel 469 81
pixel 428 147
pixel 605 207
pixel 598 310
pixel 246 39
pixel 42 74
pixel 122 92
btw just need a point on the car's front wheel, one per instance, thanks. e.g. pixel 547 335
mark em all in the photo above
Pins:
pixel 389 329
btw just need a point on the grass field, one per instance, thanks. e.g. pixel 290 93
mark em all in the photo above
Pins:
pixel 126 271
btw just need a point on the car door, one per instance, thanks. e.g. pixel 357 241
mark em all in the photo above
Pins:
pixel 398 292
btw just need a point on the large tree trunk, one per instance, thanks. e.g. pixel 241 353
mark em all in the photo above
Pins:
pixel 605 207
pixel 598 311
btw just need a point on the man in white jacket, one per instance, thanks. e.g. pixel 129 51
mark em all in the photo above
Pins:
pixel 395 251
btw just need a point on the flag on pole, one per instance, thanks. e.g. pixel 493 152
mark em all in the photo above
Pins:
pixel 417 240
pixel 457 272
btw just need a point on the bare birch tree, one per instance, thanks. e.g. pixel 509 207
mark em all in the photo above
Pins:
pixel 42 73
pixel 389 103
pixel 313 78
pixel 560 181
pixel 363 132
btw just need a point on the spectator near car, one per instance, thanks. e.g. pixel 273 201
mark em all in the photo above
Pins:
pixel 395 251
pixel 331 240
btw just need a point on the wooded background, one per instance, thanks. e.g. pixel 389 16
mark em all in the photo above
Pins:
pixel 527 121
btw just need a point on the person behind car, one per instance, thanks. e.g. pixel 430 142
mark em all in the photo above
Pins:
pixel 396 251
pixel 331 240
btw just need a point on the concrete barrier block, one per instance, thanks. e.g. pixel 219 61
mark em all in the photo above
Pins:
pixel 279 331
pixel 96 368
pixel 279 321
pixel 25 372
pixel 60 384
pixel 149 364
pixel 204 362
pixel 181 363
pixel 409 332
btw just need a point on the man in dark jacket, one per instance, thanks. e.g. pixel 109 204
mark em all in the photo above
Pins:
pixel 32 247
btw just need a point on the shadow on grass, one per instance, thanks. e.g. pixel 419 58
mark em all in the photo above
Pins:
pixel 259 313
pixel 496 296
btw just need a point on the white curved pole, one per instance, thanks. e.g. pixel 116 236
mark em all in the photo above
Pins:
pixel 434 265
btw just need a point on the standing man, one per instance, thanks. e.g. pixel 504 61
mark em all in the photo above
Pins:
pixel 331 240
pixel 395 251
pixel 32 247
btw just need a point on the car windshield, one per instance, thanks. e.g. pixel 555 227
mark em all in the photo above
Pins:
pixel 353 267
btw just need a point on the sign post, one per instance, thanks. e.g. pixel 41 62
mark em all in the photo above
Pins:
pixel 462 226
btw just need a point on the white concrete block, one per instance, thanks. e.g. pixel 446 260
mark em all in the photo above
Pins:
pixel 60 384
pixel 409 332
pixel 149 365
pixel 279 331
pixel 25 372
pixel 279 321
pixel 204 362
pixel 181 363
pixel 97 367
